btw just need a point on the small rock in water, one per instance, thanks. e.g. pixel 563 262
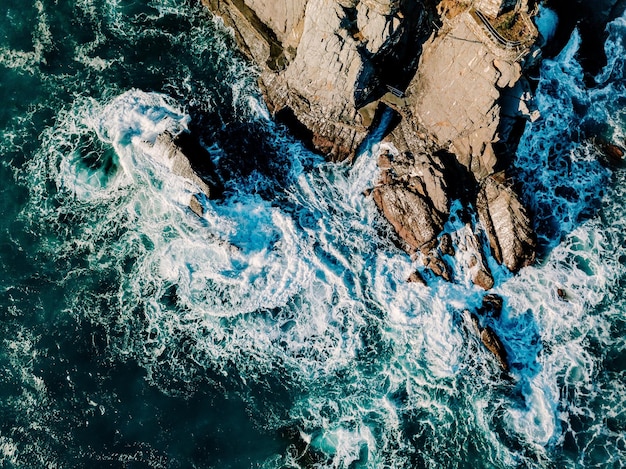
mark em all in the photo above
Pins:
pixel 196 206
pixel 492 304
pixel 438 266
pixel 613 152
pixel 416 277
pixel 562 294
pixel 445 244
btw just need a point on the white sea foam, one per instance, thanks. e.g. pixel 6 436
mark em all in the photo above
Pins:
pixel 30 60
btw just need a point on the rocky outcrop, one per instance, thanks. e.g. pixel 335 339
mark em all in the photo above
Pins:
pixel 481 324
pixel 330 67
pixel 322 60
pixel 185 157
pixel 512 239
pixel 454 104
pixel 413 196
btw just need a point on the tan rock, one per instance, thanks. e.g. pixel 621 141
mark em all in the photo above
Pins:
pixel 416 277
pixel 412 216
pixel 455 92
pixel 479 271
pixel 507 224
pixel 284 18
pixel 493 343
pixel 510 73
pixel 445 244
pixel 434 262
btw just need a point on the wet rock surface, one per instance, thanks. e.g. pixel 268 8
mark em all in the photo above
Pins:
pixel 411 214
pixel 483 323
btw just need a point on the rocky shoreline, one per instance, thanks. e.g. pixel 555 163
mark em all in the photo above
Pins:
pixel 330 69
pixel 451 74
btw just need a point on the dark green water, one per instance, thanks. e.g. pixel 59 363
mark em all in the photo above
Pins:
pixel 278 330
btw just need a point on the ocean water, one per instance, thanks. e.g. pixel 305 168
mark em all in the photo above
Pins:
pixel 278 330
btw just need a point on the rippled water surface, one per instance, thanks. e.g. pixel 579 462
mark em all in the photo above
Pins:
pixel 278 330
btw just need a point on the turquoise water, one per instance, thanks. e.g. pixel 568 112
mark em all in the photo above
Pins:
pixel 278 330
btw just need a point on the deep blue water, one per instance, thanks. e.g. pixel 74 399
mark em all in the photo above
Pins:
pixel 278 330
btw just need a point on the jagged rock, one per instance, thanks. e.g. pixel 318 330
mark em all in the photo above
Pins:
pixel 494 345
pixel 384 160
pixel 488 337
pixel 195 205
pixel 476 327
pixel 508 226
pixel 411 214
pixel 492 305
pixel 186 158
pixel 438 266
pixel 422 173
pixel 477 265
pixel 416 277
pixel 482 278
pixel 455 93
pixel 445 244
pixel 510 73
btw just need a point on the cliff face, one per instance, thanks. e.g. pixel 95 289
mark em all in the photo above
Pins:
pixel 332 66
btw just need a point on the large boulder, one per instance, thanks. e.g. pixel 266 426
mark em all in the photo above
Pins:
pixel 184 156
pixel 508 226
pixel 411 214
pixel 420 172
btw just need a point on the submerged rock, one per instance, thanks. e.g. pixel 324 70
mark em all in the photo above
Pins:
pixel 492 305
pixel 489 338
pixel 445 245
